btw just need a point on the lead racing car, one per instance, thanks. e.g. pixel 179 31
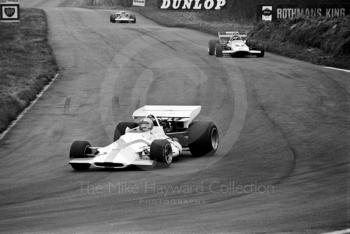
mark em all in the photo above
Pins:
pixel 156 136
pixel 234 44
pixel 122 17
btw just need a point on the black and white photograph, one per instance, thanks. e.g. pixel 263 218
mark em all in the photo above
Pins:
pixel 175 116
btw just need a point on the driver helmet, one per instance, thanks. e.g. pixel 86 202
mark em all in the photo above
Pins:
pixel 146 124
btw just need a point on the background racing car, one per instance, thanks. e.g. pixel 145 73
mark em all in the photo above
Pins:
pixel 234 44
pixel 157 134
pixel 122 17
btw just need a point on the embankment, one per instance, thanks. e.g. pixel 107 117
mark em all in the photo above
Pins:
pixel 27 63
pixel 324 41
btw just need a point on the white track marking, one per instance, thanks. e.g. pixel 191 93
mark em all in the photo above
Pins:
pixel 338 69
pixel 345 231
pixel 20 116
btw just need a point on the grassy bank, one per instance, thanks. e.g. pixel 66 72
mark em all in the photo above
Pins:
pixel 206 21
pixel 27 63
pixel 324 41
pixel 210 22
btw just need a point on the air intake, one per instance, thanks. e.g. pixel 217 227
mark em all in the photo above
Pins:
pixel 109 164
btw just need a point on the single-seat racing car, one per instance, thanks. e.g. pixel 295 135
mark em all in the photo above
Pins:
pixel 122 17
pixel 234 44
pixel 156 136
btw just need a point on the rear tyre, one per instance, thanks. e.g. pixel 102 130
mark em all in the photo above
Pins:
pixel 79 149
pixel 162 152
pixel 111 19
pixel 218 50
pixel 121 127
pixel 212 44
pixel 203 138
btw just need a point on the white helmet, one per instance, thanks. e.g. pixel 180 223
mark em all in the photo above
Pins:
pixel 146 124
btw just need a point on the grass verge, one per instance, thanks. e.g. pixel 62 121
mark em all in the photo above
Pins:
pixel 324 41
pixel 209 22
pixel 27 63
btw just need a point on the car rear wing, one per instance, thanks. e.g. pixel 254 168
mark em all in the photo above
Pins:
pixel 185 114
pixel 225 36
pixel 231 33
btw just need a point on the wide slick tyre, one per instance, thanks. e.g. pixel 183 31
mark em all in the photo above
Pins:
pixel 211 46
pixel 79 149
pixel 203 138
pixel 134 19
pixel 112 19
pixel 161 152
pixel 80 166
pixel 262 54
pixel 121 127
pixel 218 50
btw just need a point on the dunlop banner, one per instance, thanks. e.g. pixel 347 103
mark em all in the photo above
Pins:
pixel 191 4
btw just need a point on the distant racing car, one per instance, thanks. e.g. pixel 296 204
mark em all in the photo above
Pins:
pixel 157 135
pixel 234 44
pixel 122 17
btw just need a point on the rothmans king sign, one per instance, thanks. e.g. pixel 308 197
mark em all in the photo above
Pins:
pixel 191 4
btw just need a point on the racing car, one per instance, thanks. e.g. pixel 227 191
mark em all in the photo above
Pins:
pixel 122 17
pixel 234 44
pixel 156 136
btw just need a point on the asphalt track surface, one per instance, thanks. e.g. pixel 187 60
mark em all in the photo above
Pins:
pixel 282 165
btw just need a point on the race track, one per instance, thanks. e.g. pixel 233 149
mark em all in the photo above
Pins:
pixel 282 165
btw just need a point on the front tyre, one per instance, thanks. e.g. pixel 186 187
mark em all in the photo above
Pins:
pixel 134 19
pixel 203 138
pixel 211 46
pixel 80 166
pixel 262 54
pixel 162 152
pixel 112 19
pixel 79 149
pixel 218 50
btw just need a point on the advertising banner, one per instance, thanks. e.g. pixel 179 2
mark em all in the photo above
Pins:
pixel 141 3
pixel 9 10
pixel 267 13
pixel 291 11
pixel 191 4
